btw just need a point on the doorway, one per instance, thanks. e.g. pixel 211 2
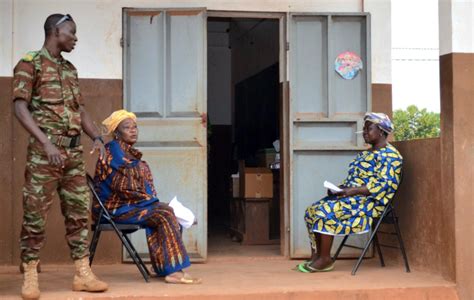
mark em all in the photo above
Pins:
pixel 244 126
pixel 165 84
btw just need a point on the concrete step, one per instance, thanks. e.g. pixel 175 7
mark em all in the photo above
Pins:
pixel 242 279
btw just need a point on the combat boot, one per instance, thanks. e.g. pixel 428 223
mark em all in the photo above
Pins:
pixel 85 280
pixel 30 288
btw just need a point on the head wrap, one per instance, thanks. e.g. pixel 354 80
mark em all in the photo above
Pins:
pixel 113 121
pixel 381 120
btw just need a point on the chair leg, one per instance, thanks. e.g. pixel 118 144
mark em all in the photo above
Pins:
pixel 336 255
pixel 369 242
pixel 137 255
pixel 93 245
pixel 379 251
pixel 400 241
pixel 359 260
pixel 131 251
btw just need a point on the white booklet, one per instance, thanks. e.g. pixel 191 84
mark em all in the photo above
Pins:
pixel 184 215
pixel 332 187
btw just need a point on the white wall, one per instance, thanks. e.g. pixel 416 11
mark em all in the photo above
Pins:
pixel 98 53
pixel 456 26
pixel 381 41
pixel 6 22
pixel 218 74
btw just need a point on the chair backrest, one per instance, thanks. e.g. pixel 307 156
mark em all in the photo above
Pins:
pixel 103 213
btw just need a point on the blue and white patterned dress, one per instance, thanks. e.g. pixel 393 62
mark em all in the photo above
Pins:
pixel 379 170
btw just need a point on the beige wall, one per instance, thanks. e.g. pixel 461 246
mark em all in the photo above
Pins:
pixel 381 33
pixel 6 37
pixel 456 26
pixel 98 53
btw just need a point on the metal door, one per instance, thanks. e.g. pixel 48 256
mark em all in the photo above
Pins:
pixel 165 85
pixel 325 110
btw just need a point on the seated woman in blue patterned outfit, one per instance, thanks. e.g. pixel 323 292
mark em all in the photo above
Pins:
pixel 373 178
pixel 124 183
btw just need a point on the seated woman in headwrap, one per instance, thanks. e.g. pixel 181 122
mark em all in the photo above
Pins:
pixel 124 183
pixel 373 178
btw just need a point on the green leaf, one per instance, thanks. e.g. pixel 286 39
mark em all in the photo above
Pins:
pixel 414 123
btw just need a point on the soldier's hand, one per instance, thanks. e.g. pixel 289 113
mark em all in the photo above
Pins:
pixel 98 146
pixel 54 155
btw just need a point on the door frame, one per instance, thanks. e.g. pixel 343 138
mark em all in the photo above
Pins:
pixel 284 114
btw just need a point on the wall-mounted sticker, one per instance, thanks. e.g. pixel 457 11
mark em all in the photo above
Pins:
pixel 348 64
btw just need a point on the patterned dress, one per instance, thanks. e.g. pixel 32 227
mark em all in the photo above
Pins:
pixel 380 171
pixel 125 184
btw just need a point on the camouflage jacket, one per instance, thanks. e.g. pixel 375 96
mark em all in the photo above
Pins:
pixel 50 86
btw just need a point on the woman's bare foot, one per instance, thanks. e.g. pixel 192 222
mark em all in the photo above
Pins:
pixel 314 256
pixel 182 278
pixel 321 263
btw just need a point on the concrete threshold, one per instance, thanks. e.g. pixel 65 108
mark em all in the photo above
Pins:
pixel 242 279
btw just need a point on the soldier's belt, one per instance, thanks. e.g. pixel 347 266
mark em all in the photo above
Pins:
pixel 65 141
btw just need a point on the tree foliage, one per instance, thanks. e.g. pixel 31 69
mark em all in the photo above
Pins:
pixel 414 123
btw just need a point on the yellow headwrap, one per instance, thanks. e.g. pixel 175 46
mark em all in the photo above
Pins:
pixel 113 121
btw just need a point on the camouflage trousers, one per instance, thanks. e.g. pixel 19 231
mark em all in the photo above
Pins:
pixel 41 180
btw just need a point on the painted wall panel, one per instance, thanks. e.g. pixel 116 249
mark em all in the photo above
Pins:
pixel 323 129
pixel 185 64
pixel 309 69
pixel 326 134
pixel 146 64
pixel 311 169
pixel 348 34
pixel 174 168
pixel 174 143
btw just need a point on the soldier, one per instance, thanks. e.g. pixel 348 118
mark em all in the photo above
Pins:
pixel 50 107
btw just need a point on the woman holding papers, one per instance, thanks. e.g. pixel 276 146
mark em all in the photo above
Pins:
pixel 373 178
pixel 125 184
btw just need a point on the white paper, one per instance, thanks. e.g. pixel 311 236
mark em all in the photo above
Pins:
pixel 184 215
pixel 333 188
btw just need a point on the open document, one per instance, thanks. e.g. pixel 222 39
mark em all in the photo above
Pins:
pixel 332 187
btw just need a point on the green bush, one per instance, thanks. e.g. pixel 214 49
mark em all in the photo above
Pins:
pixel 414 123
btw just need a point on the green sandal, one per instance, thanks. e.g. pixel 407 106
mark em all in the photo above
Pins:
pixel 306 268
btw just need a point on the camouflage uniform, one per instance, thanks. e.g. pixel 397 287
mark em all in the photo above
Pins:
pixel 51 88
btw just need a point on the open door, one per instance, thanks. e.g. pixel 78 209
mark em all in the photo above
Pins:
pixel 165 85
pixel 325 110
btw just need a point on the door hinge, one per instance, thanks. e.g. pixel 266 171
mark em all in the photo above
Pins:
pixel 121 42
pixel 288 229
pixel 287 46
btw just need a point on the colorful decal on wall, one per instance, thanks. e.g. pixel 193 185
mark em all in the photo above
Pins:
pixel 348 64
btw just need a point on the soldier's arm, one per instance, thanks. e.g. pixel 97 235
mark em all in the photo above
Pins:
pixel 23 78
pixel 24 116
pixel 87 125
pixel 91 130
